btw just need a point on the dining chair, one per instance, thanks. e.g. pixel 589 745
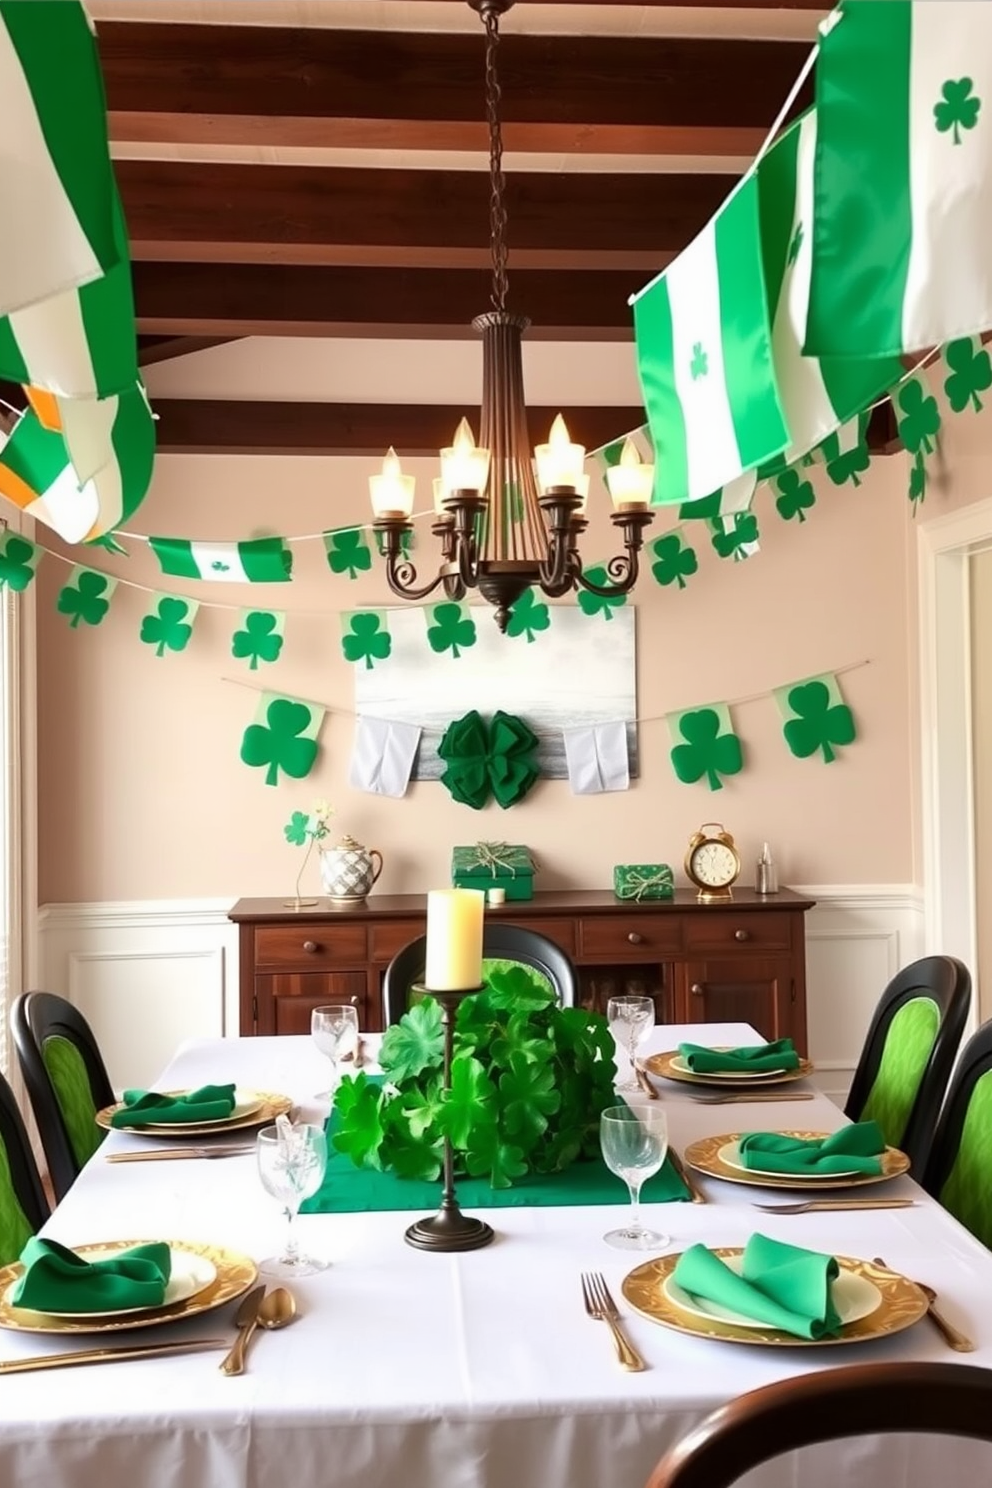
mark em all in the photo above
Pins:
pixel 23 1206
pixel 909 1052
pixel 958 1172
pixel 66 1080
pixel 856 1400
pixel 501 944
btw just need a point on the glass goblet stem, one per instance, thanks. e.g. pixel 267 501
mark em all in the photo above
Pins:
pixel 634 1188
pixel 291 1248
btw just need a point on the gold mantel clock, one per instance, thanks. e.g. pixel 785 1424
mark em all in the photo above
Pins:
pixel 712 863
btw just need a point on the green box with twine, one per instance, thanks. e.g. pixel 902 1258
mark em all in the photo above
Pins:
pixel 489 865
pixel 643 881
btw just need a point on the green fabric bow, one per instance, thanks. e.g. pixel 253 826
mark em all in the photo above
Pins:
pixel 481 761
pixel 149 1108
pixel 57 1279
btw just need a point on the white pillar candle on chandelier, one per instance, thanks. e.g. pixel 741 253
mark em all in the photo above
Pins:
pixel 454 939
pixel 559 462
pixel 631 481
pixel 464 464
pixel 392 491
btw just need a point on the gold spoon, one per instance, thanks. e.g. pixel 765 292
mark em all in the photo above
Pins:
pixel 278 1309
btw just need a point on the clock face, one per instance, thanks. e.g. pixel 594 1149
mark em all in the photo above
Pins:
pixel 715 865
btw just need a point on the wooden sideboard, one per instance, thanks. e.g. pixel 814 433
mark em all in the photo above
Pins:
pixel 702 963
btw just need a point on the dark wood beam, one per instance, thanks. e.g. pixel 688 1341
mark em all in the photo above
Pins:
pixel 188 301
pixel 308 214
pixel 153 349
pixel 205 426
pixel 276 85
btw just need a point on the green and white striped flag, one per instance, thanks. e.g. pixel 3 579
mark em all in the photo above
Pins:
pixel 57 180
pixel 817 394
pixel 903 207
pixel 265 560
pixel 728 502
pixel 705 359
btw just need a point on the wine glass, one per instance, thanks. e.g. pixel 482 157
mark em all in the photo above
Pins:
pixel 291 1165
pixel 630 1018
pixel 334 1029
pixel 634 1140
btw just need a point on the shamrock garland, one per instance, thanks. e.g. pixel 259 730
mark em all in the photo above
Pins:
pixel 496 761
pixel 282 737
pixel 170 624
pixel 709 745
pixel 817 720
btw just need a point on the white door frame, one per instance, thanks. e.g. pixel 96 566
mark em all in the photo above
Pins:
pixel 945 546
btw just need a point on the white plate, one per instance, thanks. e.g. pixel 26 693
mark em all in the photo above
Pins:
pixel 730 1154
pixel 679 1063
pixel 245 1102
pixel 190 1274
pixel 854 1297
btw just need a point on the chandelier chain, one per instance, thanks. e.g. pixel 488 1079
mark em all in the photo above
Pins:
pixel 497 182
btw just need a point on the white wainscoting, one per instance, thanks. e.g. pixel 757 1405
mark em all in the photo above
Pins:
pixel 147 975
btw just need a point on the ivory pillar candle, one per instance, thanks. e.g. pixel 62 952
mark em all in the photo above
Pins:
pixel 454 939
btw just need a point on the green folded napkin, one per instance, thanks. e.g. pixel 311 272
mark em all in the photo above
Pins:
pixel 781 1285
pixel 58 1280
pixel 853 1149
pixel 148 1108
pixel 756 1059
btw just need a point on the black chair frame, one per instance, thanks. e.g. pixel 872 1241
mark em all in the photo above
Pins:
pixel 24 1176
pixel 975 1061
pixel 36 1017
pixel 501 941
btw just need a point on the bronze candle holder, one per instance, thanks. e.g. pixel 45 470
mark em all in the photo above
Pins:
pixel 449 1229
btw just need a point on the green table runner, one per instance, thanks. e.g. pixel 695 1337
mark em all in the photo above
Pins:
pixel 56 1279
pixel 753 1059
pixel 853 1149
pixel 149 1108
pixel 784 1286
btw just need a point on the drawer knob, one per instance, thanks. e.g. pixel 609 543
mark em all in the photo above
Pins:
pixel 310 946
pixel 742 935
pixel 354 1000
pixel 696 989
pixel 634 937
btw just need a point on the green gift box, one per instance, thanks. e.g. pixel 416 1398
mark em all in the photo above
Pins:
pixel 488 865
pixel 640 881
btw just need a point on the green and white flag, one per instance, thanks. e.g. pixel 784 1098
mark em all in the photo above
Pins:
pixel 705 360
pixel 733 498
pixel 57 180
pixel 903 206
pixel 265 560
pixel 817 394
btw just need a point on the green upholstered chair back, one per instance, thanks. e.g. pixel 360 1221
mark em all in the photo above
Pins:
pixel 23 1206
pixel 502 944
pixel 959 1170
pixel 908 1045
pixel 67 1072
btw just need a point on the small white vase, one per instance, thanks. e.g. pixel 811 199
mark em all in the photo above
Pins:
pixel 349 870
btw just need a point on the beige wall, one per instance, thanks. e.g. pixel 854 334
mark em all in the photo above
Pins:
pixel 981 661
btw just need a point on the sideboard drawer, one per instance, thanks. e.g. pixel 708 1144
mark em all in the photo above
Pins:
pixel 561 931
pixel 631 938
pixel 723 930
pixel 386 939
pixel 309 947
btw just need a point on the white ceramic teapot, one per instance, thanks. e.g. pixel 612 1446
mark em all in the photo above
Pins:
pixel 348 870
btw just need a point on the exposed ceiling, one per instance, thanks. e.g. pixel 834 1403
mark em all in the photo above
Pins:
pixel 319 168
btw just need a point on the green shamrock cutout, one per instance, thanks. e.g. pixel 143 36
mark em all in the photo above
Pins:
pixel 482 761
pixel 731 543
pixel 259 641
pixel 676 560
pixel 796 496
pixel 848 464
pixel 958 109
pixel 452 629
pixel 706 750
pixel 219 566
pixel 818 725
pixel 699 366
pixel 366 639
pixel 528 616
pixel 599 604
pixel 921 418
pixel 971 373
pixel 276 743
pixel 918 480
pixel 349 553
pixel 295 830
pixel 167 627
pixel 796 244
pixel 85 601
pixel 16 563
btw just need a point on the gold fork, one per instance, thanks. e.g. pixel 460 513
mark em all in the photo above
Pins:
pixel 601 1306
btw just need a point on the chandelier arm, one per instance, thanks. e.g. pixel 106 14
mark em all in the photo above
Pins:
pixel 401 577
pixel 623 568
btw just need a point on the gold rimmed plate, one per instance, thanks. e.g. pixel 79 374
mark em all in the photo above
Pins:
pixel 873 1301
pixel 718 1158
pixel 262 1108
pixel 671 1066
pixel 233 1274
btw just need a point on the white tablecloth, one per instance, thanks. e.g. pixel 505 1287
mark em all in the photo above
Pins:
pixel 467 1371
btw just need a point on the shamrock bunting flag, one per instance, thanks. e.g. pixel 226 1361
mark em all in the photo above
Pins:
pixel 366 636
pixel 816 717
pixel 496 760
pixel 19 561
pixel 86 596
pixel 263 560
pixel 735 537
pixel 259 636
pixel 918 423
pixel 795 495
pixel 732 498
pixel 528 617
pixel 450 627
pixel 347 551
pixel 704 744
pixel 283 736
pixel 676 561
pixel 845 453
pixel 970 374
pixel 168 624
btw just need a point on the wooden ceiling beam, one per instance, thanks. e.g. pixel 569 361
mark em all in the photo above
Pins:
pixel 187 301
pixel 440 219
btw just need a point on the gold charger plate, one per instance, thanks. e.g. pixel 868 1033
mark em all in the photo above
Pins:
pixel 272 1105
pixel 704 1156
pixel 663 1065
pixel 901 1305
pixel 235 1273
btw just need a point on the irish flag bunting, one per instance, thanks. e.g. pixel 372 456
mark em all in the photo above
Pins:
pixel 903 202
pixel 705 359
pixel 265 560
pixel 58 184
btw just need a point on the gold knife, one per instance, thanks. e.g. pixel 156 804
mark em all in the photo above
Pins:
pixel 698 1197
pixel 110 1355
pixel 170 1154
pixel 246 1321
